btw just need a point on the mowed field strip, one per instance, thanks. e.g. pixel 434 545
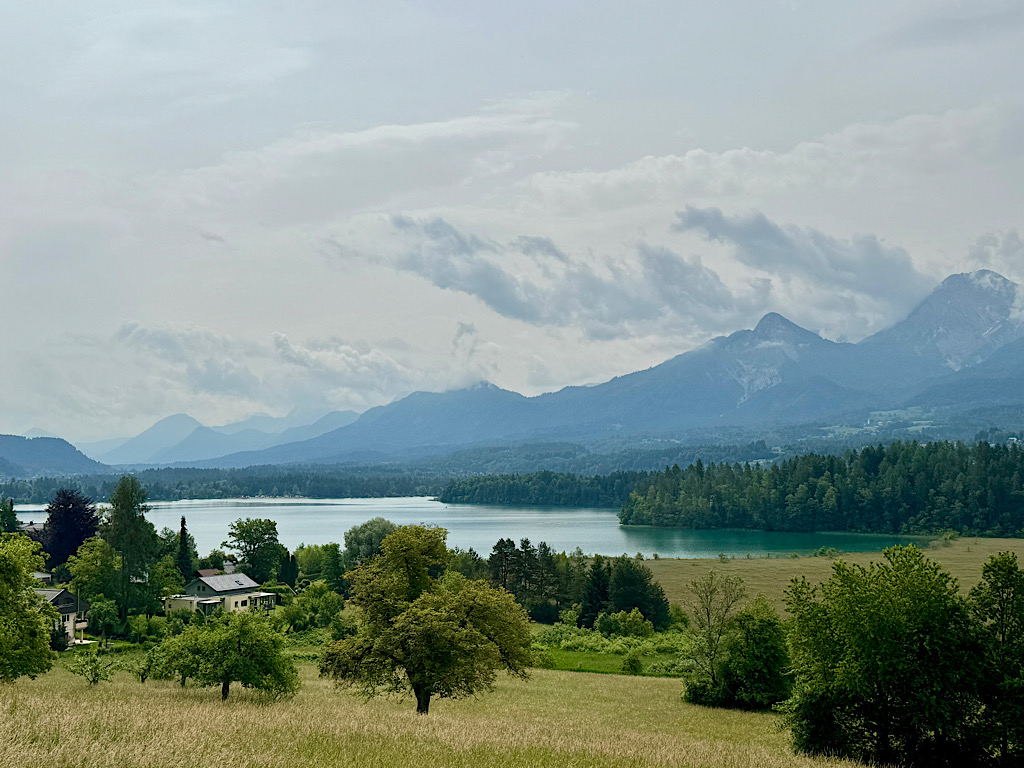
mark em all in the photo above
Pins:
pixel 771 576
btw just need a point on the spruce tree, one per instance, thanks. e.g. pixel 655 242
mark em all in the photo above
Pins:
pixel 183 558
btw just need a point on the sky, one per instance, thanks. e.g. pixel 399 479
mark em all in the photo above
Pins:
pixel 223 208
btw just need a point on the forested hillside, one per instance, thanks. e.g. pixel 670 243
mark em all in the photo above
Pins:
pixel 903 487
pixel 544 489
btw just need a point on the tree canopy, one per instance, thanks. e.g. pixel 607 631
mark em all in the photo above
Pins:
pixel 255 541
pixel 423 630
pixel 70 519
pixel 128 531
pixel 887 664
pixel 25 617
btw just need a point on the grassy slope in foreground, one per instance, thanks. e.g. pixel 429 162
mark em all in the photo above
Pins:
pixel 770 576
pixel 555 719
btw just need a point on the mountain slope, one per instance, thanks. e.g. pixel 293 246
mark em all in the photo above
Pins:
pixel 963 321
pixel 141 448
pixel 44 455
pixel 963 343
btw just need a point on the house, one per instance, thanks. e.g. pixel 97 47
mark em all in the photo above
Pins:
pixel 229 592
pixel 71 607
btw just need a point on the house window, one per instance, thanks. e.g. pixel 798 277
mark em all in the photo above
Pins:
pixel 245 603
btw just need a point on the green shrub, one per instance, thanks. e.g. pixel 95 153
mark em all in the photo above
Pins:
pixel 631 664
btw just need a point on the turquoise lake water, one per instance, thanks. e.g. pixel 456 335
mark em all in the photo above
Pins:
pixel 595 531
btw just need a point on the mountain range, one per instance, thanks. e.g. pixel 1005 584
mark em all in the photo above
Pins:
pixel 961 348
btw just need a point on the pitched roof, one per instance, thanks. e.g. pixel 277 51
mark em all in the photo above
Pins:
pixel 209 572
pixel 228 582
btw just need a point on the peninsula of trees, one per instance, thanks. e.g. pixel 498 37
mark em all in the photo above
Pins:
pixel 900 488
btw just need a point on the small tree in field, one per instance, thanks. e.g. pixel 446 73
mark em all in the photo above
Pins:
pixel 433 633
pixel 244 648
pixel 713 601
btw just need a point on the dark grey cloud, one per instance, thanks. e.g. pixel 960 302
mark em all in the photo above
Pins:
pixel 862 264
pixel 531 279
pixel 970 24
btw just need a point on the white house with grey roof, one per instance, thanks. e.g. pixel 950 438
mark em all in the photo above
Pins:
pixel 71 607
pixel 229 592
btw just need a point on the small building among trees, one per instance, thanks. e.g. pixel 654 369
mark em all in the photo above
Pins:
pixel 71 607
pixel 229 592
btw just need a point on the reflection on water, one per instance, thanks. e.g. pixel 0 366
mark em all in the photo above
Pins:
pixel 595 531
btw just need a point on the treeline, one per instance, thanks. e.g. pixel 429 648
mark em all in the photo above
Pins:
pixel 905 487
pixel 172 484
pixel 580 459
pixel 544 489
pixel 547 583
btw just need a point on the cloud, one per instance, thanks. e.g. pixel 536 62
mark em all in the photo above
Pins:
pixel 1001 252
pixel 530 279
pixel 862 277
pixel 860 153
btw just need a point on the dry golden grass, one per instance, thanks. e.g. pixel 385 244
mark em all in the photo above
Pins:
pixel 770 576
pixel 555 719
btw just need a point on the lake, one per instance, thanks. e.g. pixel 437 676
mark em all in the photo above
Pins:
pixel 595 531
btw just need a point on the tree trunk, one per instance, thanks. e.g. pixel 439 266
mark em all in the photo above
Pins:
pixel 224 688
pixel 422 700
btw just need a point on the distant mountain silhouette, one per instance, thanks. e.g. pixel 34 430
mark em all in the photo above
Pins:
pixel 963 346
pixel 28 457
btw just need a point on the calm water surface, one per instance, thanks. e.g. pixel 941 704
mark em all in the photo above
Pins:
pixel 595 531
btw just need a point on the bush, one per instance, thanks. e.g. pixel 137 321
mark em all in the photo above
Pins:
pixel 93 667
pixel 542 658
pixel 58 638
pixel 622 624
pixel 631 664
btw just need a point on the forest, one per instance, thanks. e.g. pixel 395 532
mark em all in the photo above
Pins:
pixel 904 487
pixel 544 489
pixel 172 484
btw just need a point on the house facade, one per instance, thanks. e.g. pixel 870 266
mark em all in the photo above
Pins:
pixel 228 592
pixel 71 607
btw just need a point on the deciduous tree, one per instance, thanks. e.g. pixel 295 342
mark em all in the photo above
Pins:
pixel 25 617
pixel 435 636
pixel 887 662
pixel 255 541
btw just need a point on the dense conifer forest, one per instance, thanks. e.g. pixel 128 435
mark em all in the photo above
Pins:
pixel 544 489
pixel 905 487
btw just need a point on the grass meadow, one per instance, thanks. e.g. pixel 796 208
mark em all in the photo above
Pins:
pixel 553 719
pixel 770 576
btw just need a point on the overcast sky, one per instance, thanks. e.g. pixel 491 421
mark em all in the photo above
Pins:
pixel 228 208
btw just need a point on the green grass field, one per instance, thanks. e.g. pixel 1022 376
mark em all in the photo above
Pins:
pixel 554 719
pixel 770 576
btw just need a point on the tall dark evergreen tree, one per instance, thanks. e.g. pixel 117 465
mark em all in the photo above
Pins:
pixel 183 557
pixel 500 563
pixel 632 585
pixel 70 519
pixel 8 520
pixel 333 572
pixel 133 536
pixel 595 598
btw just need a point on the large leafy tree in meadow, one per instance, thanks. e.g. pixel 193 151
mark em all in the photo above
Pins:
pixel 424 630
pixel 887 663
pixel 70 519
pixel 255 541
pixel 234 647
pixel 25 617
pixel 128 531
